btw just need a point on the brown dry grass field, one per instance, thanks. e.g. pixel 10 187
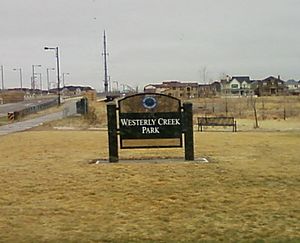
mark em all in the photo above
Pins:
pixel 248 192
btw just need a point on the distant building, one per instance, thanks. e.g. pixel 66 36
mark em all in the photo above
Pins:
pixel 180 90
pixel 293 87
pixel 269 86
pixel 184 90
pixel 71 90
pixel 215 87
pixel 204 90
pixel 236 86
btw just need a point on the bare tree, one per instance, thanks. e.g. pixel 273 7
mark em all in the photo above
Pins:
pixel 213 104
pixel 226 105
pixel 253 104
pixel 284 104
pixel 263 108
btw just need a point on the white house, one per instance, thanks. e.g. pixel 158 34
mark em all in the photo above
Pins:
pixel 293 86
pixel 237 86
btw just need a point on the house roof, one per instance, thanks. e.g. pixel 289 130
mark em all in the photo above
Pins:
pixel 241 78
pixel 292 81
pixel 272 78
pixel 168 84
pixel 74 88
pixel 179 84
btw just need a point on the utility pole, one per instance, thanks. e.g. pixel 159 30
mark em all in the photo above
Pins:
pixel 48 77
pixel 105 54
pixel 21 79
pixel 33 86
pixel 56 49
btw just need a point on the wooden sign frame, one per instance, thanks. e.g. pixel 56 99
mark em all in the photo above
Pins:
pixel 149 120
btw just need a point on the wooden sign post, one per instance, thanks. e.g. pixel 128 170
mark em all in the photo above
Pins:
pixel 150 120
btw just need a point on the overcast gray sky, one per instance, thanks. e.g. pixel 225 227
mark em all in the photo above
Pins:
pixel 150 40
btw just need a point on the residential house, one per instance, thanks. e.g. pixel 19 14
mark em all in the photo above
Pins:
pixel 293 87
pixel 204 90
pixel 215 87
pixel 180 90
pixel 270 86
pixel 236 86
pixel 209 90
pixel 71 90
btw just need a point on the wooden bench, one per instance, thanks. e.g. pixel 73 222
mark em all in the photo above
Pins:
pixel 216 121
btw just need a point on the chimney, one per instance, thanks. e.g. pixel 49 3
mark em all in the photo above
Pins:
pixel 278 77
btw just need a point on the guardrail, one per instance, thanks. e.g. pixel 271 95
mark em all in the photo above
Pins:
pixel 32 109
pixel 11 116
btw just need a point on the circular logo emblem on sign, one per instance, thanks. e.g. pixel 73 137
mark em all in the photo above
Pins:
pixel 149 102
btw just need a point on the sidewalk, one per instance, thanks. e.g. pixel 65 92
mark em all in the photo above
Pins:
pixel 69 110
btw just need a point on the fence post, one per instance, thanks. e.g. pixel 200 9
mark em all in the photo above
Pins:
pixel 188 131
pixel 112 132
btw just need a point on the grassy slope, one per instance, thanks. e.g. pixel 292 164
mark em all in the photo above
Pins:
pixel 49 191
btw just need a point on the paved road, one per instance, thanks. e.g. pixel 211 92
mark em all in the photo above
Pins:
pixel 69 110
pixel 11 107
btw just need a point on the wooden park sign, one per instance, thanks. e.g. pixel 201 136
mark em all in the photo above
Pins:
pixel 149 120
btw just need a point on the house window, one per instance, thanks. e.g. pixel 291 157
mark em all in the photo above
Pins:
pixel 234 86
pixel 174 88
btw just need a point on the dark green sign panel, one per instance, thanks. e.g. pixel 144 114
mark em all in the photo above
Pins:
pixel 150 120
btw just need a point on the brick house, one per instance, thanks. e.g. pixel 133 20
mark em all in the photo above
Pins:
pixel 180 90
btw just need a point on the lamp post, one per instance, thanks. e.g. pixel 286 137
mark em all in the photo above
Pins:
pixel 20 73
pixel 48 75
pixel 57 70
pixel 117 83
pixel 63 76
pixel 33 76
pixel 41 82
pixel 2 76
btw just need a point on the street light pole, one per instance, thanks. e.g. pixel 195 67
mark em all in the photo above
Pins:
pixel 33 77
pixel 117 83
pixel 41 82
pixel 48 81
pixel 2 76
pixel 21 79
pixel 57 69
pixel 63 76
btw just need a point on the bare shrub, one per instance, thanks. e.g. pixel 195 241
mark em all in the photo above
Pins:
pixel 91 117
